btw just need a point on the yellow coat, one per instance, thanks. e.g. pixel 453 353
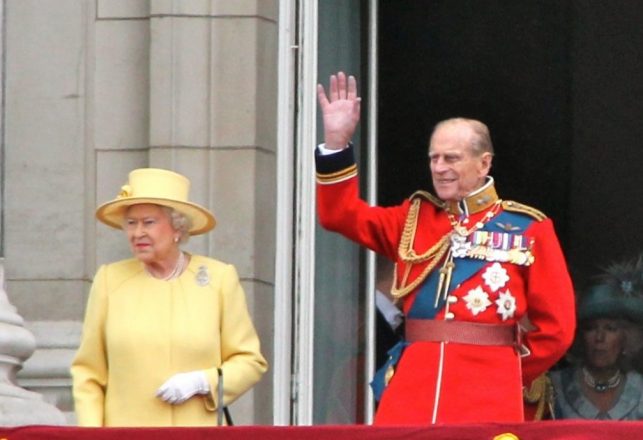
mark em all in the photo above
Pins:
pixel 139 331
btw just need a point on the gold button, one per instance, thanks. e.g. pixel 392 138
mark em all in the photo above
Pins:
pixel 506 436
pixel 390 371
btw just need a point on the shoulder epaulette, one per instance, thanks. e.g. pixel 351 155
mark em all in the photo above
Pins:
pixel 428 197
pixel 510 205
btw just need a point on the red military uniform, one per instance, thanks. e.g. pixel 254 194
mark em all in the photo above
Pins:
pixel 482 261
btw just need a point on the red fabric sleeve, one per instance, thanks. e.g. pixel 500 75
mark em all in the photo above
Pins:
pixel 551 306
pixel 340 209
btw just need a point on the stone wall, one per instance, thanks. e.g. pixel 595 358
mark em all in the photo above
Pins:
pixel 95 88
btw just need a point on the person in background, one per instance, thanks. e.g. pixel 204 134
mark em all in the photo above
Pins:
pixel 469 266
pixel 600 384
pixel 389 319
pixel 161 328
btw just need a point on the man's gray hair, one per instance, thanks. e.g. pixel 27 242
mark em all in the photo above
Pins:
pixel 481 142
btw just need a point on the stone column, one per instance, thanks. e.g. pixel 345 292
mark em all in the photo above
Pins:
pixel 17 405
pixel 213 82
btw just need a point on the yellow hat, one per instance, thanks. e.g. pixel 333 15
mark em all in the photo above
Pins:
pixel 159 187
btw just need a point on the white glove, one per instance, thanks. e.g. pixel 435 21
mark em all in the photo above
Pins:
pixel 180 387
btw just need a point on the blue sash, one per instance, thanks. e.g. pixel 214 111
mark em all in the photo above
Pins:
pixel 465 268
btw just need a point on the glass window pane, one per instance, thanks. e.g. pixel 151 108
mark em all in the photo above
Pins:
pixel 339 312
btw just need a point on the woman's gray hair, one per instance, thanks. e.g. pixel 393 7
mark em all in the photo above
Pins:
pixel 180 222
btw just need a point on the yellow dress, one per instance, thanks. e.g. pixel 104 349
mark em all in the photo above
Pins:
pixel 139 331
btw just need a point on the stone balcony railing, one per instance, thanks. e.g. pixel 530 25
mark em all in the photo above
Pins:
pixel 19 406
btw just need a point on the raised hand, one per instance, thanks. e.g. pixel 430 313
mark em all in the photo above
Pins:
pixel 340 109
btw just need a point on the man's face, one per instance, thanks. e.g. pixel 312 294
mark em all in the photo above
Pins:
pixel 455 169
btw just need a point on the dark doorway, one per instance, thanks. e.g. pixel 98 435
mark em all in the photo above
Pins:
pixel 524 69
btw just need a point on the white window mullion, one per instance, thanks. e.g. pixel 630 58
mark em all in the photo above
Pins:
pixel 305 208
pixel 283 312
pixel 371 196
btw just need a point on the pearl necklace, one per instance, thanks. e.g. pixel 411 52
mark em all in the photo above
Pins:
pixel 176 272
pixel 601 387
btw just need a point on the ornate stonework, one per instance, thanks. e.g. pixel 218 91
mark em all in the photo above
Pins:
pixel 17 405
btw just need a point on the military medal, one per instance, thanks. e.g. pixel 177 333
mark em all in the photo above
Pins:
pixel 506 303
pixel 495 276
pixel 477 300
pixel 459 246
pixel 460 230
pixel 494 246
pixel 507 227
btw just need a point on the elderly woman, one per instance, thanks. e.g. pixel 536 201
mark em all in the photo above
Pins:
pixel 161 326
pixel 601 385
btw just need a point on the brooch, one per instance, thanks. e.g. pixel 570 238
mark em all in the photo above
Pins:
pixel 202 276
pixel 508 227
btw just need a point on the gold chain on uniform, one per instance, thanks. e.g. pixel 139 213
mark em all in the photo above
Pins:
pixel 408 255
pixel 436 252
pixel 461 230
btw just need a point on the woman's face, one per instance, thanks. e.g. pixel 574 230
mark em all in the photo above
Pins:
pixel 150 233
pixel 604 340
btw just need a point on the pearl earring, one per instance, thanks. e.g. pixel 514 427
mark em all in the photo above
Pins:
pixel 176 239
